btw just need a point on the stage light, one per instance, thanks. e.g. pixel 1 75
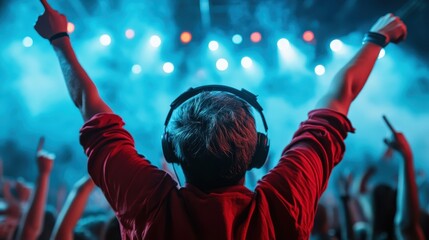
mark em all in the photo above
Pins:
pixel 222 64
pixel 237 39
pixel 136 69
pixel 155 41
pixel 255 37
pixel 308 36
pixel 319 70
pixel 185 37
pixel 382 53
pixel 246 62
pixel 168 67
pixel 336 45
pixel 129 33
pixel 283 44
pixel 213 45
pixel 105 40
pixel 70 27
pixel 27 42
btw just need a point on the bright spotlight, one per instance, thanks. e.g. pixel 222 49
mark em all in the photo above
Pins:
pixel 136 69
pixel 222 64
pixel 27 42
pixel 319 70
pixel 336 45
pixel 155 41
pixel 382 53
pixel 185 37
pixel 105 40
pixel 237 39
pixel 70 27
pixel 246 62
pixel 168 67
pixel 283 44
pixel 213 45
pixel 129 33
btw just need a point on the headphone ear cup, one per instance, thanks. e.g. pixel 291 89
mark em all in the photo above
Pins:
pixel 168 150
pixel 261 152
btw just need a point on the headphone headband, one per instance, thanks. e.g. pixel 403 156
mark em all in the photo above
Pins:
pixel 262 143
pixel 247 96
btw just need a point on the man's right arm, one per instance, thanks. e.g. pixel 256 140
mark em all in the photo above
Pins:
pixel 80 86
pixel 349 81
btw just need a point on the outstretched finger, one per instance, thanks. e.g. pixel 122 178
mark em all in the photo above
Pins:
pixel 41 143
pixel 389 125
pixel 46 5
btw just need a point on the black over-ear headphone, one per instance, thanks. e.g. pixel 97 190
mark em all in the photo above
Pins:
pixel 262 145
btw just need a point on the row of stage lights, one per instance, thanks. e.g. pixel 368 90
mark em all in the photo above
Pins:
pixel 222 64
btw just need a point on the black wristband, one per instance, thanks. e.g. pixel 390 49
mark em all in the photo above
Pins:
pixel 58 35
pixel 375 38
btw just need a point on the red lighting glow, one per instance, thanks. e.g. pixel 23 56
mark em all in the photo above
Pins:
pixel 308 36
pixel 255 37
pixel 185 37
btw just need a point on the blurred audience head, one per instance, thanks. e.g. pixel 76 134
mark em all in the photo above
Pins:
pixel 383 202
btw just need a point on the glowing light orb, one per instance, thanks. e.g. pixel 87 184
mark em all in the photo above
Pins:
pixel 319 70
pixel 222 64
pixel 105 40
pixel 27 42
pixel 336 45
pixel 136 69
pixel 130 34
pixel 155 41
pixel 185 37
pixel 255 37
pixel 213 45
pixel 246 62
pixel 283 44
pixel 308 36
pixel 237 39
pixel 168 67
pixel 70 27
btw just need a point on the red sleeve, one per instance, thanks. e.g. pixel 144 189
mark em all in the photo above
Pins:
pixel 294 186
pixel 130 183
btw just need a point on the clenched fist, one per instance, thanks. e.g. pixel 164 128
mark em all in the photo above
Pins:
pixel 391 27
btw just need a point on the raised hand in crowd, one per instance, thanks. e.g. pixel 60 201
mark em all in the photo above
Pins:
pixel 32 222
pixel 408 211
pixel 73 209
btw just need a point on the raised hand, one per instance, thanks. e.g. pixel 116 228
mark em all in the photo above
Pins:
pixel 23 190
pixel 50 22
pixel 399 143
pixel 13 206
pixel 45 160
pixel 391 27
